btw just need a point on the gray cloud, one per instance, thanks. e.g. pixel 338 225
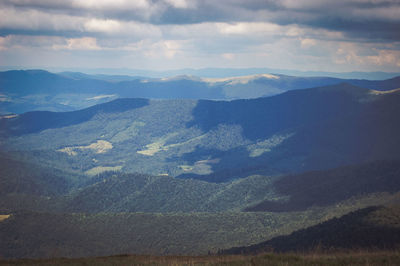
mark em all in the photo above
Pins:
pixel 364 19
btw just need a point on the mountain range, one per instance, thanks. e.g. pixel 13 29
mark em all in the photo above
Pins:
pixel 206 165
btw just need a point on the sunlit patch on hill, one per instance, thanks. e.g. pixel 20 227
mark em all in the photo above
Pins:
pixel 8 116
pixel 4 216
pixel 99 97
pixel 264 146
pixel 202 167
pixel 157 146
pixel 240 79
pixel 375 92
pixel 100 169
pixel 100 146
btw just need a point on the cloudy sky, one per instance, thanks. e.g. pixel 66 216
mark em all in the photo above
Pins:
pixel 326 35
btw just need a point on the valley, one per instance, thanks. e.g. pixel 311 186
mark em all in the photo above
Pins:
pixel 193 176
pixel 200 132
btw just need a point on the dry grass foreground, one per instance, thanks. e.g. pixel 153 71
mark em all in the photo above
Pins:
pixel 387 258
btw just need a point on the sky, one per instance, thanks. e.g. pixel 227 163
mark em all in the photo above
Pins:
pixel 319 35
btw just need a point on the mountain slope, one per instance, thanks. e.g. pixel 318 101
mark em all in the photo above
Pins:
pixel 328 187
pixel 28 186
pixel 369 228
pixel 28 178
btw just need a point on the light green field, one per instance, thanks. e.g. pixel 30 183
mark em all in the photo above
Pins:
pixel 100 169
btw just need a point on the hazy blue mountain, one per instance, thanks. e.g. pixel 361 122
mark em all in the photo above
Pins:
pixel 219 72
pixel 23 91
pixel 32 90
pixel 114 78
pixel 27 82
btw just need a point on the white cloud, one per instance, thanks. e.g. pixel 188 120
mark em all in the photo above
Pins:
pixel 181 3
pixel 167 48
pixel 247 28
pixel 111 4
pixel 102 25
pixel 294 31
pixel 228 56
pixel 4 42
pixel 307 43
pixel 85 43
pixel 367 56
pixel 29 42
pixel 385 57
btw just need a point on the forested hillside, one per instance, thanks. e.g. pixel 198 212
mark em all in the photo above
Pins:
pixel 215 141
pixel 371 228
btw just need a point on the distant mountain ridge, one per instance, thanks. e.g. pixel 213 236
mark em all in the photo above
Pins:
pixel 29 90
pixel 217 72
